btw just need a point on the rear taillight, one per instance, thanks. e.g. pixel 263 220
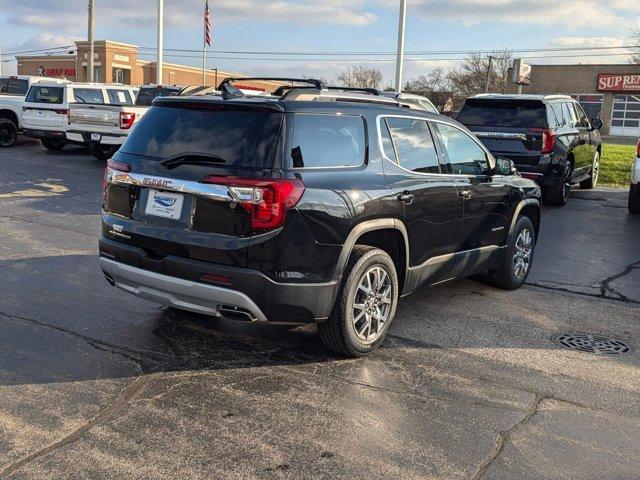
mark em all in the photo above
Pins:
pixel 113 165
pixel 126 120
pixel 548 139
pixel 266 200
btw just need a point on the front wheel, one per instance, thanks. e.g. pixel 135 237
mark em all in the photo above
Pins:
pixel 514 270
pixel 8 132
pixel 365 306
pixel 592 181
pixel 54 144
pixel 634 199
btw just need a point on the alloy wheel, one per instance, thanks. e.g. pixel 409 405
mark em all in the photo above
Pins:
pixel 566 181
pixel 372 304
pixel 522 255
pixel 596 170
pixel 7 135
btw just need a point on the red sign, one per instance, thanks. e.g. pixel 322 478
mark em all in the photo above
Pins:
pixel 60 72
pixel 616 82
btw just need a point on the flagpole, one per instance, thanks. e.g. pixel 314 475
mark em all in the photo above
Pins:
pixel 204 50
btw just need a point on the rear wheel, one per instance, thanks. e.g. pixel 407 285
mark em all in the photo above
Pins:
pixel 559 193
pixel 102 152
pixel 592 181
pixel 54 144
pixel 515 267
pixel 365 306
pixel 8 132
pixel 634 199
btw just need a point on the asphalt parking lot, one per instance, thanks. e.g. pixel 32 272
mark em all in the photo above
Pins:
pixel 96 384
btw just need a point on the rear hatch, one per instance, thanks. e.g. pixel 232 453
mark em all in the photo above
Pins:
pixel 44 107
pixel 184 182
pixel 510 128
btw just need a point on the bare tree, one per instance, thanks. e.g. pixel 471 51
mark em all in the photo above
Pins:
pixel 635 51
pixel 361 76
pixel 435 86
pixel 471 77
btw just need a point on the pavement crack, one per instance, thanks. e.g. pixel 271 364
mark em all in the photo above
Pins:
pixel 16 218
pixel 503 437
pixel 606 292
pixel 606 288
pixel 125 397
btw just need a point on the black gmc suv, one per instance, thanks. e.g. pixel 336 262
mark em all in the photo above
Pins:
pixel 548 137
pixel 315 205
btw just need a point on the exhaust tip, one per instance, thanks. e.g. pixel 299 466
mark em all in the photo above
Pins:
pixel 236 313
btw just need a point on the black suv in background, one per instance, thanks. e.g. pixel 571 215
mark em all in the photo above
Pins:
pixel 315 205
pixel 548 137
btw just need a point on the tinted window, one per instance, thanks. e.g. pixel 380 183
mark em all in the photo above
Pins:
pixel 558 113
pixel 119 97
pixel 570 114
pixel 582 118
pixel 464 154
pixel 88 95
pixel 327 141
pixel 147 94
pixel 387 144
pixel 503 113
pixel 238 138
pixel 3 84
pixel 414 144
pixel 16 86
pixel 41 94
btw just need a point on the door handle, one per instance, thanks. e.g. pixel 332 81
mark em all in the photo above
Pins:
pixel 407 197
pixel 466 194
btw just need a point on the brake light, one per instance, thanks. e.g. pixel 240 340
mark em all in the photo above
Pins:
pixel 113 165
pixel 266 200
pixel 126 120
pixel 548 139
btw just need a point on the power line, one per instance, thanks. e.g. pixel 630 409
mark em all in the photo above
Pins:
pixel 4 54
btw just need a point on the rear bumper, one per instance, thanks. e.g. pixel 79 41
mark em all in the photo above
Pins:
pixel 178 282
pixel 42 133
pixel 105 138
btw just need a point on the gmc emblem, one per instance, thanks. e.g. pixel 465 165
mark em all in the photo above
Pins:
pixel 152 182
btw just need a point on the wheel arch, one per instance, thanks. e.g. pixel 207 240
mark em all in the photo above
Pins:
pixel 530 208
pixel 10 115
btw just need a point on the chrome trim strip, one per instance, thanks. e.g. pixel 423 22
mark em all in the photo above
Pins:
pixel 177 292
pixel 215 192
pixel 501 135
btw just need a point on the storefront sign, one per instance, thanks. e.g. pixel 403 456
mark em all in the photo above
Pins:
pixel 615 82
pixel 521 72
pixel 118 57
pixel 59 72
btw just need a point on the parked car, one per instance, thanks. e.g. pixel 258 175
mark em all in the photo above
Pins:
pixel 634 188
pixel 314 206
pixel 45 112
pixel 14 89
pixel 148 92
pixel 414 101
pixel 549 137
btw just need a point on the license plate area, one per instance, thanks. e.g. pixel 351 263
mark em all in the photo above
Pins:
pixel 164 204
pixel 96 137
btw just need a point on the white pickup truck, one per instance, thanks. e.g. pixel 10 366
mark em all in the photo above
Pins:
pixel 103 128
pixel 12 92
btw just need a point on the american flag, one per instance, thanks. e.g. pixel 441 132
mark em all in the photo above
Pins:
pixel 207 24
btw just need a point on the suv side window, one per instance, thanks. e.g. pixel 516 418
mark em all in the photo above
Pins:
pixel 414 144
pixel 558 112
pixel 119 97
pixel 570 114
pixel 583 121
pixel 88 95
pixel 328 141
pixel 465 156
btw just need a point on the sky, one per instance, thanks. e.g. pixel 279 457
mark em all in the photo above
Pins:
pixel 362 32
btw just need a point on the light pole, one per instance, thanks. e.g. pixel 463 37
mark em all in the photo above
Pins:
pixel 90 39
pixel 160 41
pixel 400 52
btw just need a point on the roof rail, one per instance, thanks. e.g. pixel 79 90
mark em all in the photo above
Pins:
pixel 311 81
pixel 373 91
pixel 311 94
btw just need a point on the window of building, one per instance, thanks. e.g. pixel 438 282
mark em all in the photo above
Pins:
pixel 328 141
pixel 625 118
pixel 591 104
pixel 465 156
pixel 414 144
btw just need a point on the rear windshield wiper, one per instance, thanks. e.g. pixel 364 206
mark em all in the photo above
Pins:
pixel 191 159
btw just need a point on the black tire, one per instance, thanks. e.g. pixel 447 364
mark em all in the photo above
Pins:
pixel 558 194
pixel 54 144
pixel 592 181
pixel 338 333
pixel 8 133
pixel 634 199
pixel 102 152
pixel 505 276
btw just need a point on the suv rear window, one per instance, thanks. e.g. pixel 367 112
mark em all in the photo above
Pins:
pixel 327 141
pixel 503 113
pixel 241 138
pixel 146 95
pixel 42 94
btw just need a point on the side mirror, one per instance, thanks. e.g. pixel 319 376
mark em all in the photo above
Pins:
pixel 596 123
pixel 505 166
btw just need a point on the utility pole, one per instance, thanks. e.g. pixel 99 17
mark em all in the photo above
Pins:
pixel 160 42
pixel 486 88
pixel 0 58
pixel 400 52
pixel 90 39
